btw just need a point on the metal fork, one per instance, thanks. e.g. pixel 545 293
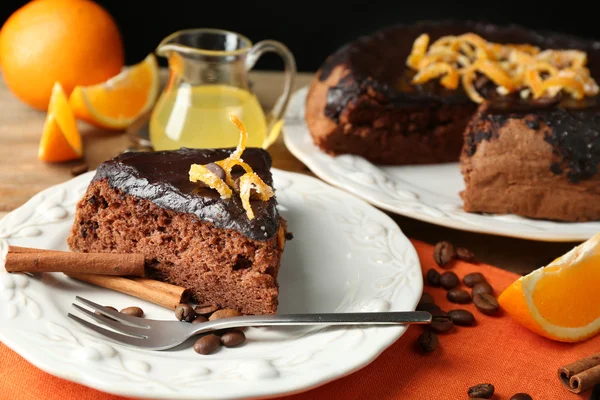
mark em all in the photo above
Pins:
pixel 161 335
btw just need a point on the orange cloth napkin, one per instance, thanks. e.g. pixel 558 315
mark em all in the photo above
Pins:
pixel 496 350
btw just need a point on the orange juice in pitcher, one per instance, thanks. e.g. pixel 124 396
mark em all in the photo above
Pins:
pixel 208 83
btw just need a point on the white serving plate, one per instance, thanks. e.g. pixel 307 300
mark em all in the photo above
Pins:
pixel 428 193
pixel 345 256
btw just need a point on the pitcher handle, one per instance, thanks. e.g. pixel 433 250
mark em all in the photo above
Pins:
pixel 276 115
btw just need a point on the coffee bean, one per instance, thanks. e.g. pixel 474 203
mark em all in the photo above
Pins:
pixel 233 338
pixel 443 253
pixel 205 309
pixel 199 319
pixel 482 287
pixel 465 255
pixel 426 298
pixel 486 303
pixel 433 277
pixel 462 317
pixel 216 169
pixel 133 311
pixel 473 278
pixel 429 307
pixel 440 321
pixel 207 344
pixel 110 308
pixel 459 296
pixel 428 341
pixel 449 280
pixel 521 396
pixel 185 312
pixel 483 390
pixel 224 313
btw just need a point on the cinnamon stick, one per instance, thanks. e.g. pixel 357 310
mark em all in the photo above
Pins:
pixel 157 292
pixel 23 259
pixel 582 374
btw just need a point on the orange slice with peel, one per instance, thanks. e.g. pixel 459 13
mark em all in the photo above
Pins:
pixel 60 140
pixel 560 301
pixel 118 102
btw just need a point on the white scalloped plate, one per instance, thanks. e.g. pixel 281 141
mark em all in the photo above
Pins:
pixel 346 255
pixel 428 193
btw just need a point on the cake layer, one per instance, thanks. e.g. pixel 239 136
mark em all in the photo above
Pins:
pixel 538 162
pixel 362 101
pixel 220 266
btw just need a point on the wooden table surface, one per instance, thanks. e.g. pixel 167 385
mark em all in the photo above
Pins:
pixel 22 175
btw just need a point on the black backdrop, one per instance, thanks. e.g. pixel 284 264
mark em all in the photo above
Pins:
pixel 313 29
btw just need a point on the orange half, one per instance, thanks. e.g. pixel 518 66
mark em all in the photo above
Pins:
pixel 60 140
pixel 560 301
pixel 118 102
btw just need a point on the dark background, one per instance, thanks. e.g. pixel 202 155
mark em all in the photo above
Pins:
pixel 313 29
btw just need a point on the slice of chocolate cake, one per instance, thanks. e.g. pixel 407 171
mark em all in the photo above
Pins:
pixel 534 160
pixel 189 234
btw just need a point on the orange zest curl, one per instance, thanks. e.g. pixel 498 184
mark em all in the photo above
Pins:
pixel 201 173
pixel 237 154
pixel 450 75
pixel 249 182
pixel 418 51
pixel 228 164
pixel 511 67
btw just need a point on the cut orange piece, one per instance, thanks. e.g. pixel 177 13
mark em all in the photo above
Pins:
pixel 118 102
pixel 60 140
pixel 560 301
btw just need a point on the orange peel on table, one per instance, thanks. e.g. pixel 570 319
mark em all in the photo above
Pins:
pixel 249 182
pixel 560 301
pixel 61 140
pixel 512 68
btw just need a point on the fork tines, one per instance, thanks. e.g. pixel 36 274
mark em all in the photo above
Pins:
pixel 126 328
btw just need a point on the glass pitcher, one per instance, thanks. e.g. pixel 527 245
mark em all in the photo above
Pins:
pixel 208 81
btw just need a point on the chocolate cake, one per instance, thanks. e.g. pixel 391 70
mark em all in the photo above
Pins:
pixel 362 100
pixel 190 236
pixel 534 160
pixel 532 150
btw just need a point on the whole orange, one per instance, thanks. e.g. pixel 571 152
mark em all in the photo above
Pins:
pixel 74 42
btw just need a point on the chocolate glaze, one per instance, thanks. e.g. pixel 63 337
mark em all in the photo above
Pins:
pixel 376 64
pixel 573 132
pixel 163 178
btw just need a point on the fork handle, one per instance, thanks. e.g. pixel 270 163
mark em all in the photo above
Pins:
pixel 361 318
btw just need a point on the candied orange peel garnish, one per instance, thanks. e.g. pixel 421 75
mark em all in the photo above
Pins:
pixel 522 68
pixel 201 173
pixel 248 182
pixel 251 181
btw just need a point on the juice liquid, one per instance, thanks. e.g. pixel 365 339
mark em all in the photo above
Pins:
pixel 198 117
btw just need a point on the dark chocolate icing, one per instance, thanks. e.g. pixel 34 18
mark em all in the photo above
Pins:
pixel 163 178
pixel 376 64
pixel 573 132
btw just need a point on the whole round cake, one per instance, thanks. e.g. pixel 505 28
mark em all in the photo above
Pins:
pixel 517 107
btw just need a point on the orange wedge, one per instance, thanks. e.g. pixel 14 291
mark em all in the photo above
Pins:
pixel 118 102
pixel 560 301
pixel 60 140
